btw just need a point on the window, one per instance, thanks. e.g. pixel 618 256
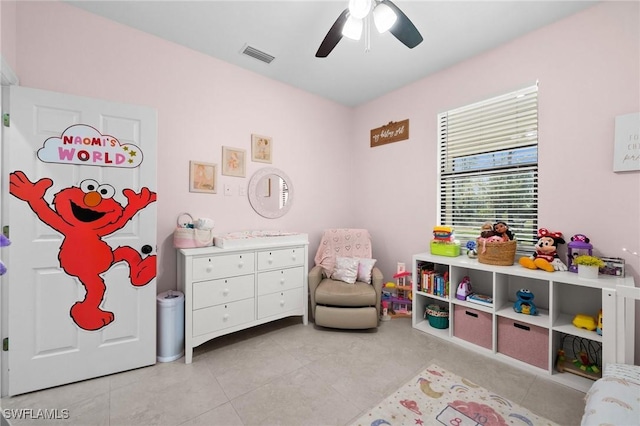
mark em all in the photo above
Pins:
pixel 488 166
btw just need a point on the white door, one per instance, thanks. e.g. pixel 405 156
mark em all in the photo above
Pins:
pixel 80 288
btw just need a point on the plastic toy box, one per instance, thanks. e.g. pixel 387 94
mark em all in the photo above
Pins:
pixel 451 249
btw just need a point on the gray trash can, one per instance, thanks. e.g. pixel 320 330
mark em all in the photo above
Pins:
pixel 170 320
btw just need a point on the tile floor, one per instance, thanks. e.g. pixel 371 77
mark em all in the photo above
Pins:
pixel 285 373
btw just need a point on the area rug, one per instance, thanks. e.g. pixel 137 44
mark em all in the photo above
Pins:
pixel 437 396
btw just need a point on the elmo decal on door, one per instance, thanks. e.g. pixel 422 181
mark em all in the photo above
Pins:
pixel 84 215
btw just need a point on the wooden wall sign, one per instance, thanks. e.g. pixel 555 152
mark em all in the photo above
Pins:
pixel 392 132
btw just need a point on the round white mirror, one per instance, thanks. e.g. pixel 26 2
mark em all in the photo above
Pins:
pixel 270 192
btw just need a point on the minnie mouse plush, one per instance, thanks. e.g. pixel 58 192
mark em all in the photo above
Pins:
pixel 546 255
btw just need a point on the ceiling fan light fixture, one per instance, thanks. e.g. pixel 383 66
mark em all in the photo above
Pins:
pixel 384 17
pixel 359 8
pixel 352 28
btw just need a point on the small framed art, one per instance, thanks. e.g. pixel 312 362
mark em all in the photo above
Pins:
pixel 202 177
pixel 233 161
pixel 261 148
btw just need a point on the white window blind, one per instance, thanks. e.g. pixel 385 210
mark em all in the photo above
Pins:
pixel 488 166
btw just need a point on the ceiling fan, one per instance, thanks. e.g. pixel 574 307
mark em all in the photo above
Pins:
pixel 386 16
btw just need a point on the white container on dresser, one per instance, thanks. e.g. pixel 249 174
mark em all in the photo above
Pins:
pixel 230 289
pixel 530 342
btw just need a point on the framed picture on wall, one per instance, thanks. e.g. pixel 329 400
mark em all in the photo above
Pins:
pixel 261 148
pixel 233 161
pixel 202 177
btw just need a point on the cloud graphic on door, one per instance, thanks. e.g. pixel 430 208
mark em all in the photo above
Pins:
pixel 84 145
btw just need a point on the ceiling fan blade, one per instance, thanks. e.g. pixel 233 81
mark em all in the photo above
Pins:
pixel 333 36
pixel 403 29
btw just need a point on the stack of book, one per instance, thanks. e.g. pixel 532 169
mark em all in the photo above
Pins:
pixel 435 283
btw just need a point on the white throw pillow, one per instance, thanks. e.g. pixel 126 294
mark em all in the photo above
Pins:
pixel 365 266
pixel 346 269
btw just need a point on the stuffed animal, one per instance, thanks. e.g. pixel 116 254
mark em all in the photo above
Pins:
pixel 546 255
pixel 524 304
pixel 4 241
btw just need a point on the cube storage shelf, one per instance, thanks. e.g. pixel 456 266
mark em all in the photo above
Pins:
pixel 525 341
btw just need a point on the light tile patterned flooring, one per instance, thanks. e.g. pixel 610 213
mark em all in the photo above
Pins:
pixel 285 373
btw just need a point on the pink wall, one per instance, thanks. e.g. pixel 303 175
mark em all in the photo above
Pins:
pixel 202 104
pixel 588 68
pixel 8 32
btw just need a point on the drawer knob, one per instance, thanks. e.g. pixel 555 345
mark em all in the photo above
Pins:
pixel 225 317
pixel 270 260
pixel 209 268
pixel 225 292
pixel 282 303
pixel 282 281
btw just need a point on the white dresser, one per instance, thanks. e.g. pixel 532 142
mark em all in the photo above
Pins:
pixel 230 289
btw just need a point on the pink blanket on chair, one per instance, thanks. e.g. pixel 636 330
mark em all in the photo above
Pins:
pixel 343 243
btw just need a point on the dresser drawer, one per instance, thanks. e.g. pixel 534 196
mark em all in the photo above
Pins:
pixel 281 302
pixel 219 317
pixel 271 259
pixel 229 265
pixel 283 279
pixel 224 290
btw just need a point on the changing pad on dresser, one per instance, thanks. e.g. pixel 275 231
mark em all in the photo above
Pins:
pixel 615 398
pixel 258 238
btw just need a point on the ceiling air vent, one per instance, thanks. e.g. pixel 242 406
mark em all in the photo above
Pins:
pixel 257 54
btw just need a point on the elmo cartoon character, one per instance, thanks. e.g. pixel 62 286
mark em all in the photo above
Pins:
pixel 84 215
pixel 546 255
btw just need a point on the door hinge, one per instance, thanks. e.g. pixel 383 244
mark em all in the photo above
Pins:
pixel 5 231
pixel 6 120
pixel 5 344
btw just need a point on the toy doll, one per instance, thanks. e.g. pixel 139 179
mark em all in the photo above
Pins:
pixel 501 229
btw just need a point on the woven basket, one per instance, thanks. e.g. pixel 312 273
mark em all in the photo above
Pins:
pixel 502 254
pixel 438 316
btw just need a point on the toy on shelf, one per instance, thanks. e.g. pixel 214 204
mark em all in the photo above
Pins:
pixel 580 356
pixel 578 246
pixel 546 255
pixel 524 304
pixel 496 244
pixel 472 251
pixel 502 230
pixel 599 327
pixel 585 321
pixel 444 242
pixel 464 289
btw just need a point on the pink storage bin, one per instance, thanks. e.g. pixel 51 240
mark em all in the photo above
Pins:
pixel 472 325
pixel 526 342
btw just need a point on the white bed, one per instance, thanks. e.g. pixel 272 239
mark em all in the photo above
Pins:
pixel 615 398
